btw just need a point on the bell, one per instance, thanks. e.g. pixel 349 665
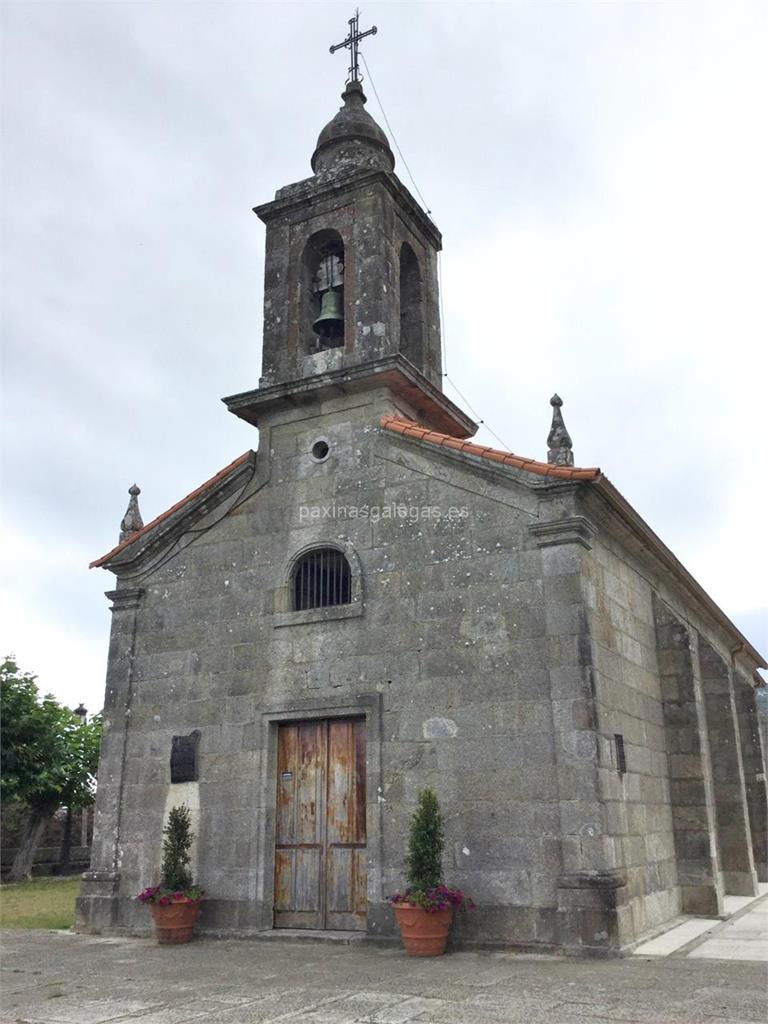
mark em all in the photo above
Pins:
pixel 330 323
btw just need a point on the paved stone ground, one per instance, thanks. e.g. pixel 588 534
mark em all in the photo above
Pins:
pixel 61 978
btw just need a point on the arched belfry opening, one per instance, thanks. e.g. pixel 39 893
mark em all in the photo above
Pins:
pixel 411 307
pixel 322 292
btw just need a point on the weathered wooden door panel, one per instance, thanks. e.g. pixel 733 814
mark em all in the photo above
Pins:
pixel 301 757
pixel 320 847
pixel 345 834
pixel 347 900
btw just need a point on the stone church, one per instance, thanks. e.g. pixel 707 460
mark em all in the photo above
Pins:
pixel 369 603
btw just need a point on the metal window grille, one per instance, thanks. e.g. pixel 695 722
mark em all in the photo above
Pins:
pixel 621 757
pixel 322 579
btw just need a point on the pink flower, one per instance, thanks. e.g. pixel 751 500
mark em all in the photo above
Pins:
pixel 438 898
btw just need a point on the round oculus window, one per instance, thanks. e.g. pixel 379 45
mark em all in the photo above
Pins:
pixel 320 451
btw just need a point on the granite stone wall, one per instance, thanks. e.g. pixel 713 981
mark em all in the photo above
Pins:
pixel 683 821
pixel 500 636
pixel 447 660
pixel 638 818
pixel 734 839
pixel 753 760
pixel 688 759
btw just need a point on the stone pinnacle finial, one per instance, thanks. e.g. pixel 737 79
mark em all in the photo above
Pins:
pixel 132 521
pixel 559 439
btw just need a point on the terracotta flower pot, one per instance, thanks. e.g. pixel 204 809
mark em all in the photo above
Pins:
pixel 424 932
pixel 175 922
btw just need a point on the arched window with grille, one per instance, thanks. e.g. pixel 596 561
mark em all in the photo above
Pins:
pixel 321 579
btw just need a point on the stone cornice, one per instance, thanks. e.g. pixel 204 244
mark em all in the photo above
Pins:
pixel 126 599
pixel 569 530
pixel 316 188
pixel 394 372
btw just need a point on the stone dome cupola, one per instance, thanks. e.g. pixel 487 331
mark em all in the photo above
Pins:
pixel 352 140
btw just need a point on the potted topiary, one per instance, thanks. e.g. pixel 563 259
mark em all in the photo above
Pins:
pixel 425 910
pixel 175 903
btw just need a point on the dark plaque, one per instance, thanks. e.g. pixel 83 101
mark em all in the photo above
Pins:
pixel 184 757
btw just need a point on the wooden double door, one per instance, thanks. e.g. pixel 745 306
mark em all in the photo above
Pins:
pixel 320 834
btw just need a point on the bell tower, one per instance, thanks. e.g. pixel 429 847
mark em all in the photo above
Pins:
pixel 350 280
pixel 351 259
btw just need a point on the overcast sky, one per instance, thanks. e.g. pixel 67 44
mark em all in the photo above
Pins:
pixel 598 171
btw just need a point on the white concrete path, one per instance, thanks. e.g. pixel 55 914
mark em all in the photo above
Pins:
pixel 743 937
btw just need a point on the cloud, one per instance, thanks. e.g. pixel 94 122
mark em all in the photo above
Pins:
pixel 598 179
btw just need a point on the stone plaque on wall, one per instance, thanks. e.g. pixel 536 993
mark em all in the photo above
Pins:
pixel 184 757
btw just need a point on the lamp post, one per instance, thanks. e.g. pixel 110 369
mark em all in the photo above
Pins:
pixel 82 713
pixel 66 844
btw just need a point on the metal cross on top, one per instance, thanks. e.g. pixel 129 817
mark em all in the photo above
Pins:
pixel 350 43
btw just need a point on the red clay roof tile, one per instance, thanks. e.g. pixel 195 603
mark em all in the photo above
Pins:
pixel 410 429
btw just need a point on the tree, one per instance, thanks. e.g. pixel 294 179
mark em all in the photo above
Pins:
pixel 48 757
pixel 425 844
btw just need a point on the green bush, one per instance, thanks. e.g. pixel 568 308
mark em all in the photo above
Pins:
pixel 425 844
pixel 174 873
